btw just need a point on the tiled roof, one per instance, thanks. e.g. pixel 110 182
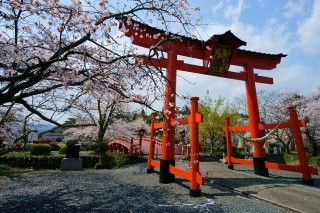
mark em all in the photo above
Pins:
pixel 227 36
pixel 260 53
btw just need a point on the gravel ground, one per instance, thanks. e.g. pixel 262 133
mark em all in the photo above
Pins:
pixel 278 176
pixel 121 190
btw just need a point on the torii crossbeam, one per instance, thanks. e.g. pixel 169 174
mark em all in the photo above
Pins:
pixel 217 54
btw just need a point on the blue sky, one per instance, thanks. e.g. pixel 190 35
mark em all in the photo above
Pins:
pixel 270 26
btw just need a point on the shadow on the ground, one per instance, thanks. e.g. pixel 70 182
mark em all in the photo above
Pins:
pixel 258 184
pixel 112 194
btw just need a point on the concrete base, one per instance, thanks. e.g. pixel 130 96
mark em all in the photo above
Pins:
pixel 71 164
pixel 195 193
pixel 151 170
pixel 259 167
pixel 308 182
pixel 230 167
pixel 165 175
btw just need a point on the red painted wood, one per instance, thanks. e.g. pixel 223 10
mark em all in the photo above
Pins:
pixel 148 37
pixel 299 143
pixel 169 103
pixel 162 62
pixel 253 112
pixel 228 140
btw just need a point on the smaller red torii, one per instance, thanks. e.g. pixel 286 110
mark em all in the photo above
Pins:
pixel 217 54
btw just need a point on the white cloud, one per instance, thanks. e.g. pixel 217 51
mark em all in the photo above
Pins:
pixel 218 6
pixel 234 12
pixel 293 8
pixel 309 30
pixel 290 73
pixel 295 77
pixel 272 38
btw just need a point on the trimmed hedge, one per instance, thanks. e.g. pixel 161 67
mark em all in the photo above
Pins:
pixel 118 160
pixel 63 149
pixel 113 160
pixel 45 162
pixel 54 146
pixel 40 149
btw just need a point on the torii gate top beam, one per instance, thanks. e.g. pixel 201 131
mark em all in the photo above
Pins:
pixel 148 37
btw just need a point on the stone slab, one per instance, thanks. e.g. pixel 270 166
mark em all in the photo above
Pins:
pixel 71 164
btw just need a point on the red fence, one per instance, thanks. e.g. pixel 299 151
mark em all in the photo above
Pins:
pixel 193 120
pixel 294 124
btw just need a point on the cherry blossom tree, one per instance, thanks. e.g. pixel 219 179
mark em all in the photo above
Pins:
pixel 309 109
pixel 54 51
pixel 15 126
pixel 273 108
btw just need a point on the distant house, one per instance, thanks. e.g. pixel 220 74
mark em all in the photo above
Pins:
pixel 55 134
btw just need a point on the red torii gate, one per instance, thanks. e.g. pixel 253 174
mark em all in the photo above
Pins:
pixel 217 53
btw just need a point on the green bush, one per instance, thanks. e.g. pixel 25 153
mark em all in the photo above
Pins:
pixel 315 161
pixel 118 160
pixel 63 149
pixel 40 149
pixel 29 146
pixel 71 142
pixel 5 169
pixel 73 149
pixel 54 146
pixel 88 147
pixel 17 154
pixel 274 145
pixel 100 148
pixel 291 158
pixel 216 156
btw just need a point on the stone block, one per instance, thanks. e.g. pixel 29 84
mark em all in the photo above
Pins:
pixel 71 164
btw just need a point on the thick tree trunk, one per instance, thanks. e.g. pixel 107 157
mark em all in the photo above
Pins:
pixel 313 142
pixel 101 145
pixel 291 146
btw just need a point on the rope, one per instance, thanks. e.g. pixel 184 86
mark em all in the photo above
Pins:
pixel 262 139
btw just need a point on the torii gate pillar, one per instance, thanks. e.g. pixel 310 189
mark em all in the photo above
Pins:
pixel 254 121
pixel 167 152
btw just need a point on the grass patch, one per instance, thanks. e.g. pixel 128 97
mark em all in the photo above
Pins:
pixel 6 170
pixel 315 161
pixel 293 159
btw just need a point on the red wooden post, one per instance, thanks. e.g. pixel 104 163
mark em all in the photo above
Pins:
pixel 194 138
pixel 131 146
pixel 183 141
pixel 254 120
pixel 150 168
pixel 300 148
pixel 229 143
pixel 167 151
pixel 140 144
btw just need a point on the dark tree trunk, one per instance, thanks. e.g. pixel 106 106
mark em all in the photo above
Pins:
pixel 313 142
